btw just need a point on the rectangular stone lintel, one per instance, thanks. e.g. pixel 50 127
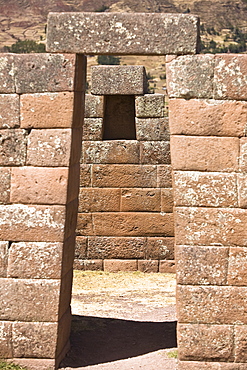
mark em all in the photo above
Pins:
pixel 123 33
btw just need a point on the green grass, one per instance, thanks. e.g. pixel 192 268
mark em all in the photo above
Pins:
pixel 172 354
pixel 9 366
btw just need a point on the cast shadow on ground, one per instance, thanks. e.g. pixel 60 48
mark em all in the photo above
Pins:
pixel 97 340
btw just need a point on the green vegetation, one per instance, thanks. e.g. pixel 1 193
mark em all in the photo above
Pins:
pixel 172 354
pixel 102 9
pixel 9 366
pixel 26 47
pixel 108 60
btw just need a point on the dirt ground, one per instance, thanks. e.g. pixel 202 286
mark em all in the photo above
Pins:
pixel 122 321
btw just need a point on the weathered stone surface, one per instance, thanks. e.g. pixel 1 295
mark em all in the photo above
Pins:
pixel 133 224
pixel 29 300
pixel 143 200
pixel 114 151
pixel 94 106
pixel 12 147
pixel 209 117
pixel 200 189
pixel 167 200
pixel 81 247
pixel 198 265
pixel 150 106
pixel 92 265
pixel 71 218
pixel 3 258
pixel 6 340
pixel 37 73
pixel 39 185
pixel 35 260
pixel 35 363
pixel 85 175
pixel 84 224
pixel 34 339
pixel 212 304
pixel 47 110
pixel 205 342
pixel 198 365
pixel 148 266
pixel 211 226
pixel 152 129
pixel 73 182
pixel 230 77
pixel 7 74
pixel 243 154
pixel 93 129
pixel 99 200
pixel 124 176
pixel 167 266
pixel 240 333
pixel 119 80
pixel 32 223
pixel 5 176
pixel 51 147
pixel 164 176
pixel 68 253
pixel 191 76
pixel 160 248
pixel 237 266
pixel 155 152
pixel 242 190
pixel 122 33
pixel 116 247
pixel 10 109
pixel 205 153
pixel 120 265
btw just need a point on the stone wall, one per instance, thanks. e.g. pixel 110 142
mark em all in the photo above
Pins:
pixel 208 121
pixel 40 137
pixel 125 220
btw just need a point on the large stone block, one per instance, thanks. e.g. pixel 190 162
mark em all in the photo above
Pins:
pixel 148 266
pixel 209 117
pixel 94 106
pixel 99 200
pixel 198 265
pixel 140 200
pixel 81 245
pixel 32 223
pixel 160 248
pixel 85 175
pixel 47 110
pixel 198 365
pixel 10 110
pixel 6 340
pixel 167 200
pixel 7 74
pixel 211 226
pixel 119 80
pixel 240 343
pixel 124 176
pixel 150 106
pixel 155 152
pixel 212 304
pixel 152 129
pixel 29 300
pixel 112 151
pixel 242 188
pixel 243 155
pixel 200 189
pixel 93 129
pixel 35 260
pixel 190 153
pixel 164 176
pixel 122 33
pixel 39 185
pixel 5 177
pixel 206 342
pixel 3 258
pixel 117 265
pixel 237 266
pixel 12 147
pixel 84 224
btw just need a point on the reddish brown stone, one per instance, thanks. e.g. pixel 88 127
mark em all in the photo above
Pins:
pixel 133 224
pixel 240 334
pixel 143 200
pixel 243 154
pixel 32 223
pixel 148 266
pixel 99 200
pixel 7 74
pixel 211 226
pixel 207 117
pixel 47 110
pixel 116 247
pixel 198 365
pixel 167 200
pixel 3 258
pixel 71 219
pixel 155 152
pixel 49 147
pixel 10 110
pixel 6 340
pixel 205 342
pixel 237 266
pixel 34 339
pixel 73 182
pixel 85 175
pixel 154 129
pixel 68 254
pixel 5 177
pixel 38 185
pixel 201 265
pixel 120 265
pixel 92 265
pixel 204 153
pixel 114 151
pixel 94 106
pixel 212 304
pixel 119 80
pixel 200 189
pixel 167 267
pixel 35 363
pixel 29 300
pixel 150 106
pixel 81 247
pixel 84 224
pixel 35 260
pixel 12 147
pixel 242 190
pixel 124 176
pixel 160 248
pixel 230 76
pixel 93 129
pixel 164 176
